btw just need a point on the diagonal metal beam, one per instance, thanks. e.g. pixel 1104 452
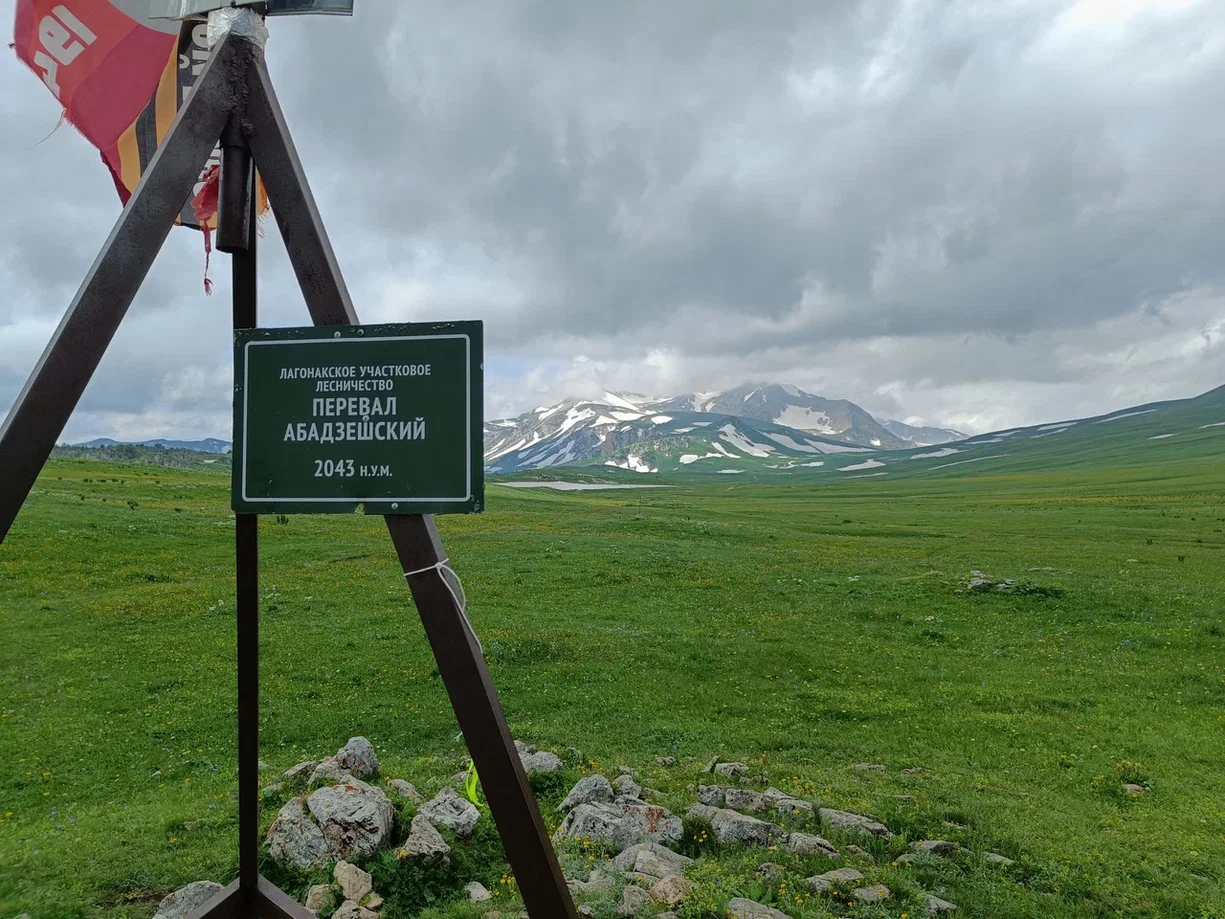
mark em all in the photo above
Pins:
pixel 38 417
pixel 460 661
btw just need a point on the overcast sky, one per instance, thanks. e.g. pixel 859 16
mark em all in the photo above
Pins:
pixel 974 214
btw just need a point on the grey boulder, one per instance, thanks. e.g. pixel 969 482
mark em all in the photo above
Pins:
pixel 806 844
pixel 424 843
pixel 733 827
pixel 853 823
pixel 831 879
pixel 355 818
pixel 448 809
pixel 651 860
pixel 358 758
pixel 621 824
pixel 592 789
pixel 187 899
pixel 741 908
pixel 295 839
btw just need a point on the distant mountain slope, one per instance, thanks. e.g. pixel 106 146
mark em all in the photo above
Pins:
pixel 791 407
pixel 922 436
pixel 208 445
pixel 611 431
pixel 1189 430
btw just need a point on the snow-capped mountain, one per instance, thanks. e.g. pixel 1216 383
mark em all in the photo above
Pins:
pixel 791 407
pixel 923 436
pixel 633 433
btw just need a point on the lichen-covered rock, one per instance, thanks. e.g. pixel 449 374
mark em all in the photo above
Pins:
pixel 299 773
pixel 625 785
pixel 295 839
pixel 710 795
pixel 853 823
pixel 670 890
pixel 185 900
pixel 841 877
pixel 730 769
pixel 477 892
pixel 592 789
pixel 807 844
pixel 405 790
pixel 353 882
pixel 741 908
pixel 702 811
pixel 733 827
pixel 633 900
pixel 424 844
pixel 448 809
pixel 622 824
pixel 541 762
pixel 355 818
pixel 350 910
pixel 328 770
pixel 742 799
pixel 320 898
pixel 784 803
pixel 651 860
pixel 874 894
pixel 358 758
pixel 1001 861
pixel 936 847
pixel 936 906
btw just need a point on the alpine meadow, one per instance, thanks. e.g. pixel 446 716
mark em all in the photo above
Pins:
pixel 1022 661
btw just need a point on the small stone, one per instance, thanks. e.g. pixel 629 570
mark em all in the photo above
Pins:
pixel 770 872
pixel 741 908
pixel 477 892
pixel 859 853
pixel 586 910
pixel 424 843
pixel 784 803
pixel 711 795
pixel 1133 790
pixel 350 910
pixel 874 894
pixel 187 899
pixel 666 761
pixel 625 785
pixel 911 770
pixel 994 858
pixel 853 823
pixel 576 755
pixel 524 749
pixel 541 762
pixel 744 800
pixel 448 809
pixel 591 789
pixel 710 767
pixel 670 890
pixel 374 901
pixel 320 898
pixel 405 790
pixel 805 844
pixel 650 859
pixel 731 769
pixel 935 905
pixel 645 792
pixel 353 882
pixel 868 767
pixel 702 811
pixel 936 847
pixel 633 899
pixel 599 881
pixel 830 879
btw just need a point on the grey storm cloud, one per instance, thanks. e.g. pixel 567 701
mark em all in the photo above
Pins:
pixel 917 204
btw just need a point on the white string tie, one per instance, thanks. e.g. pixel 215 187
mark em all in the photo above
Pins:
pixel 460 597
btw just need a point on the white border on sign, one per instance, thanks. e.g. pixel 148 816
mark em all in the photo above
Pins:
pixel 246 417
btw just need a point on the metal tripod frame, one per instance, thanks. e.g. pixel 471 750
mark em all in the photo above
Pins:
pixel 233 100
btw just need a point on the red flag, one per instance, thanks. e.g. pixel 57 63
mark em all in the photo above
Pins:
pixel 100 62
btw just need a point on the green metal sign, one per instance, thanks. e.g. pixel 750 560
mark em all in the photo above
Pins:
pixel 383 418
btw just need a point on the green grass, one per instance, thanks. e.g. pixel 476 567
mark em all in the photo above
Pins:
pixel 803 628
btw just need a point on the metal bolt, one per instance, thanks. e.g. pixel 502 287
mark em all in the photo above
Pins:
pixel 336 335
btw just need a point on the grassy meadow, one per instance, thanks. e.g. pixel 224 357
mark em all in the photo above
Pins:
pixel 801 628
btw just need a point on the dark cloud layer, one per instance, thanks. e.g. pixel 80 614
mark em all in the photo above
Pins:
pixel 972 213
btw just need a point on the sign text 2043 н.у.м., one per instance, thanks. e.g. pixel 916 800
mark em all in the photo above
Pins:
pixel 388 417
